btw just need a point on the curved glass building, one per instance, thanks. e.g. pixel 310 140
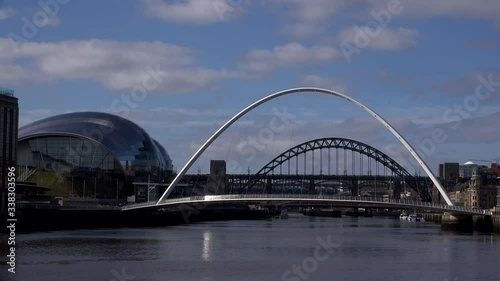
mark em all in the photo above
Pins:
pixel 102 149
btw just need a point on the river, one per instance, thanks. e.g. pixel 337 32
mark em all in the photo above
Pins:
pixel 300 248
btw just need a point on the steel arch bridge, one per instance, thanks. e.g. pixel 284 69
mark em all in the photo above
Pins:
pixel 338 143
pixel 345 144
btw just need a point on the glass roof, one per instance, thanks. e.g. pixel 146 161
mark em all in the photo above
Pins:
pixel 128 141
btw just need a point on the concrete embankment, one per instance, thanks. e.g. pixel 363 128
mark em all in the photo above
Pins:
pixel 59 219
pixel 323 213
pixel 466 223
pixel 496 223
pixel 433 217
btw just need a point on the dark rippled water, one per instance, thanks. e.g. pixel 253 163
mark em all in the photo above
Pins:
pixel 359 249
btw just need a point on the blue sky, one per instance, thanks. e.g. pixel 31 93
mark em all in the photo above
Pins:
pixel 419 64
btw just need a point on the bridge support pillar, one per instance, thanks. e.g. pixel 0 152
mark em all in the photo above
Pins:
pixel 217 181
pixel 495 221
pixel 397 188
pixel 483 223
pixel 368 212
pixel 269 186
pixel 355 187
pixel 311 187
pixel 457 222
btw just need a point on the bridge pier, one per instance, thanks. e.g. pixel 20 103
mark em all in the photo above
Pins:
pixel 397 188
pixel 269 186
pixel 433 217
pixel 311 187
pixel 457 222
pixel 483 223
pixel 354 187
pixel 217 182
pixel 368 212
pixel 495 223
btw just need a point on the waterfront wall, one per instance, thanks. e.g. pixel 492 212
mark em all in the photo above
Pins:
pixel 33 219
pixel 496 223
pixel 466 223
pixel 433 217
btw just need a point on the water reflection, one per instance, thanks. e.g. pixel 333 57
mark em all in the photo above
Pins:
pixel 207 245
pixel 262 250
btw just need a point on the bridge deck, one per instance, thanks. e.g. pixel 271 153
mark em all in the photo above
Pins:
pixel 344 201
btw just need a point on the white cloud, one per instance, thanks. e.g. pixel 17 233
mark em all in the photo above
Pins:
pixel 480 9
pixel 6 13
pixel 116 65
pixel 30 116
pixel 323 82
pixel 466 85
pixel 51 22
pixel 196 12
pixel 383 39
pixel 288 55
pixel 303 19
pixel 423 9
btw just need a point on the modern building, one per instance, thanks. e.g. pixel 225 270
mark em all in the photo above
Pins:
pixel 448 172
pixel 92 154
pixel 9 115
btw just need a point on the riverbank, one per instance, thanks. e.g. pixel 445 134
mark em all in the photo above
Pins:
pixel 496 223
pixel 486 224
pixel 33 219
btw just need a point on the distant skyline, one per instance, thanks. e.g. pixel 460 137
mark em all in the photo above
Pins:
pixel 180 69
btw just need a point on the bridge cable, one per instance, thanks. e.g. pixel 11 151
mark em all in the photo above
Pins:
pixel 353 168
pixel 376 173
pixel 329 160
pixel 336 161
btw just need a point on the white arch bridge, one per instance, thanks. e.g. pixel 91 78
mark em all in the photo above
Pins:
pixel 308 200
pixel 164 201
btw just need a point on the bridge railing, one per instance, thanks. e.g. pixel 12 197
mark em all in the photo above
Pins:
pixel 254 197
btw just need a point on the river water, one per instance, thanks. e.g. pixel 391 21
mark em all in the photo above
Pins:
pixel 300 248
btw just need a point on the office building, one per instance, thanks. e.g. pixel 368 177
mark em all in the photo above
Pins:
pixel 448 172
pixel 9 115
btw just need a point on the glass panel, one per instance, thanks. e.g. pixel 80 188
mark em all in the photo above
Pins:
pixel 128 142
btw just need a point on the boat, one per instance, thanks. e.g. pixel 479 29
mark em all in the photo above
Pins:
pixel 415 217
pixel 412 217
pixel 403 216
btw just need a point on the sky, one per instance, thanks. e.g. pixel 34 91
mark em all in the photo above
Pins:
pixel 181 69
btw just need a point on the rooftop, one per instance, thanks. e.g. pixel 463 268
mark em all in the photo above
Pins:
pixel 6 92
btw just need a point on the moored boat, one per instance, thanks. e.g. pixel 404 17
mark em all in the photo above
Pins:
pixel 403 216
